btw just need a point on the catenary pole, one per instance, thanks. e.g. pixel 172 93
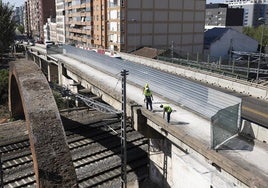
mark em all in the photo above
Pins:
pixel 124 73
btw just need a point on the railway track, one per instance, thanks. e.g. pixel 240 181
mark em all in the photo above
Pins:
pixel 94 142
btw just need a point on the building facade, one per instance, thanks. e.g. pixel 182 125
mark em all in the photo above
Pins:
pixel 18 15
pixel 220 15
pixel 127 25
pixel 39 11
pixel 253 10
pixel 60 21
pixel 26 19
pixel 50 30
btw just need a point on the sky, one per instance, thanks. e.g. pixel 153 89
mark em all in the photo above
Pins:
pixel 215 1
pixel 18 3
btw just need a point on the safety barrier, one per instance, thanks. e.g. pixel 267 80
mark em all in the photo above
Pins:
pixel 245 87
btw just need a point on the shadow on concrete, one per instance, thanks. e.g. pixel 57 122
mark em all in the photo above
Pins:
pixel 247 129
pixel 238 143
pixel 178 123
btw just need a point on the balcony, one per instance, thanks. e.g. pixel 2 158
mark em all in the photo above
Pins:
pixel 84 39
pixel 75 30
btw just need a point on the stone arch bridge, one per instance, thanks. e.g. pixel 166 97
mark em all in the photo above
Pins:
pixel 30 97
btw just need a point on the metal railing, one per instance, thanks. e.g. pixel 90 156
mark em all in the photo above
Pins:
pixel 101 107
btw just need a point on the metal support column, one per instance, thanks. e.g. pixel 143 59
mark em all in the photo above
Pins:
pixel 124 73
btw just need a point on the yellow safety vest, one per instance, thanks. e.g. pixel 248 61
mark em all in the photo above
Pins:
pixel 147 92
pixel 167 108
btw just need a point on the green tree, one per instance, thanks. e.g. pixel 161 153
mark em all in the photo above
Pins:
pixel 21 29
pixel 256 33
pixel 3 86
pixel 249 31
pixel 7 25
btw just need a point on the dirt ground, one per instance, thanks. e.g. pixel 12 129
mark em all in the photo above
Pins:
pixel 4 114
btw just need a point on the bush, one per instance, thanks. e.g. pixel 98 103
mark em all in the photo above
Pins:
pixel 3 86
pixel 59 100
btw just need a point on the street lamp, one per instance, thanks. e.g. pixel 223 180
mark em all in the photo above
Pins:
pixel 262 20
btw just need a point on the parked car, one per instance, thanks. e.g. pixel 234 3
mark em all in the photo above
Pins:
pixel 39 42
pixel 49 43
pixel 31 42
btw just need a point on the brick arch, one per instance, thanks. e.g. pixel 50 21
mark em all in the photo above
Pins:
pixel 30 97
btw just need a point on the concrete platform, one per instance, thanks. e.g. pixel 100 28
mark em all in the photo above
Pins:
pixel 250 155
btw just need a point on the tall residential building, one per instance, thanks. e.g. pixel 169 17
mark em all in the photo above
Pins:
pixel 253 10
pixel 60 21
pixel 18 15
pixel 126 25
pixel 50 30
pixel 39 11
pixel 26 19
pixel 220 15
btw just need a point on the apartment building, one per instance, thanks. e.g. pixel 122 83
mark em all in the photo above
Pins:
pixel 253 10
pixel 220 15
pixel 126 25
pixel 39 11
pixel 26 19
pixel 60 21
pixel 18 15
pixel 50 30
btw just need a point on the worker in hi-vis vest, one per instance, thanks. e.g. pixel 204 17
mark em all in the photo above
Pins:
pixel 166 109
pixel 148 97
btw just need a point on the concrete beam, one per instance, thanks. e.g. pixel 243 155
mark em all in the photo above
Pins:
pixel 192 145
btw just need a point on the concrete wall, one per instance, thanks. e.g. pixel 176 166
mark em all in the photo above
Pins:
pixel 254 131
pixel 179 160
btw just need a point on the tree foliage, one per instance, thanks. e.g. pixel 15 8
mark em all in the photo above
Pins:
pixel 59 100
pixel 7 25
pixel 256 33
pixel 3 86
pixel 21 29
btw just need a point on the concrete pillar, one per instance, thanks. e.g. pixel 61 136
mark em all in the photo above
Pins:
pixel 140 124
pixel 40 62
pixel 27 55
pixel 34 58
pixel 53 69
pixel 48 71
pixel 60 73
pixel 139 121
